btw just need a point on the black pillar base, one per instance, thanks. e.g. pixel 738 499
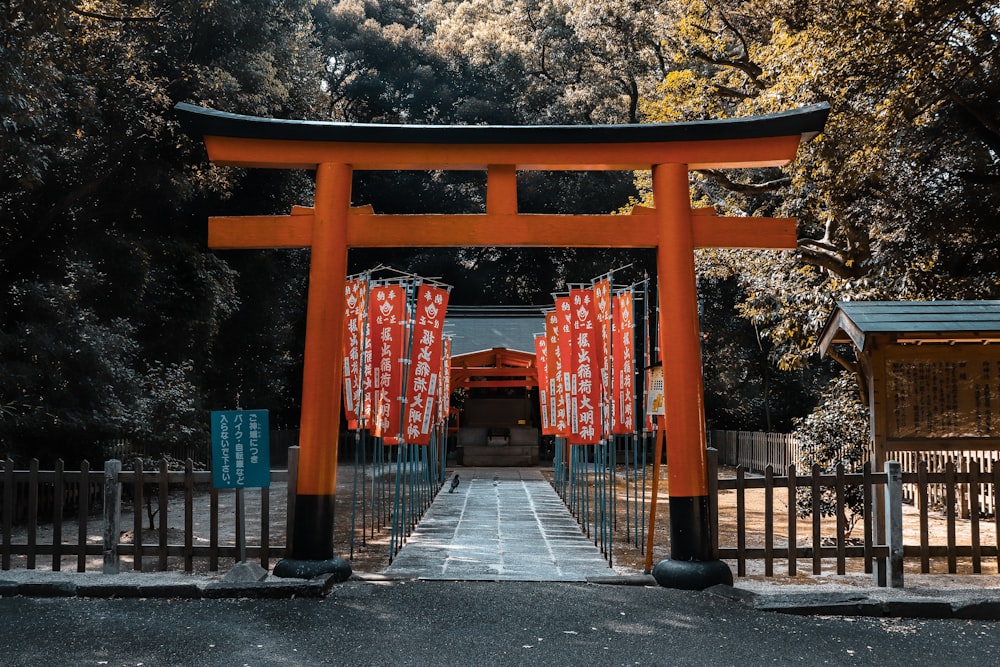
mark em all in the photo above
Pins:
pixel 312 534
pixel 692 565
pixel 290 568
pixel 690 532
pixel 312 541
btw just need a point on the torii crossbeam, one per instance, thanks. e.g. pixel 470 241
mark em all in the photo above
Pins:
pixel 330 227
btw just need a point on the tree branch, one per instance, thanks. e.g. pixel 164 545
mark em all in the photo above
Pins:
pixel 848 259
pixel 119 19
pixel 984 121
pixel 743 64
pixel 723 179
pixel 743 44
pixel 831 258
pixel 726 91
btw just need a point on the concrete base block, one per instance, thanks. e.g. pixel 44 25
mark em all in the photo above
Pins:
pixel 692 575
pixel 338 567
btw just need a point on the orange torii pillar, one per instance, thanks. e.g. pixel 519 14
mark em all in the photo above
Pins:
pixel 319 424
pixel 331 227
pixel 692 563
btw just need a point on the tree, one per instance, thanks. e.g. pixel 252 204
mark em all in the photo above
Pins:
pixel 464 62
pixel 111 308
pixel 894 199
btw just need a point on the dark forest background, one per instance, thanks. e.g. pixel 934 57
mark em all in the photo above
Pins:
pixel 116 321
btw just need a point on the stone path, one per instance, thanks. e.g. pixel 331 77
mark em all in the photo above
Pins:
pixel 500 524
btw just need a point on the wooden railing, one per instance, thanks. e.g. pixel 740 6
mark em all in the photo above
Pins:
pixel 24 501
pixel 956 493
pixel 756 450
pixel 97 540
pixel 822 537
pixel 829 537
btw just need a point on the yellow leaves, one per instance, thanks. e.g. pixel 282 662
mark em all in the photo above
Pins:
pixel 682 95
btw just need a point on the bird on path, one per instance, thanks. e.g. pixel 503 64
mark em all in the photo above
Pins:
pixel 454 483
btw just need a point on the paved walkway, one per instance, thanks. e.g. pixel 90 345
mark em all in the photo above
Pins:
pixel 500 524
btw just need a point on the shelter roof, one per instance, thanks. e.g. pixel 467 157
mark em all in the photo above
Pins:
pixel 497 357
pixel 482 328
pixel 912 322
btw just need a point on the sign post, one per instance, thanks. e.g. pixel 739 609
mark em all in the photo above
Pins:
pixel 241 458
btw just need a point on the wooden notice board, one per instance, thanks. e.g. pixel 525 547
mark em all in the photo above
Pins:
pixel 930 371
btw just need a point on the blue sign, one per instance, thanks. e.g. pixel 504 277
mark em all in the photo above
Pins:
pixel 241 453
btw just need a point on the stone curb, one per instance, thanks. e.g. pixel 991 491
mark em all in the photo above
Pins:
pixel 312 588
pixel 624 580
pixel 804 604
pixel 854 604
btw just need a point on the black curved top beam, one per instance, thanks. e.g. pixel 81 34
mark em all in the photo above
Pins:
pixel 807 122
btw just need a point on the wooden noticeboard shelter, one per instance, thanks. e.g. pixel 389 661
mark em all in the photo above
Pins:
pixel 928 370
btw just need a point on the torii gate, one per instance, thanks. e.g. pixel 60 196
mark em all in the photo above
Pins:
pixel 331 227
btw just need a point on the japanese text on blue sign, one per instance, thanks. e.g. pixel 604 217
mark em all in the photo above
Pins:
pixel 241 454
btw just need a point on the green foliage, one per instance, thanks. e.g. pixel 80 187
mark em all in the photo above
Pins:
pixel 743 389
pixel 111 309
pixel 68 377
pixel 836 433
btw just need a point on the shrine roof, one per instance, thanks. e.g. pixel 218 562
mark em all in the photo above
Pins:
pixel 912 322
pixel 481 328
pixel 806 121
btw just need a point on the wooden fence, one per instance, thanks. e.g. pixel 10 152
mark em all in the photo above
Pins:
pixel 753 450
pixel 826 541
pixel 31 496
pixel 957 489
pixel 96 541
pixel 823 538
pixel 963 462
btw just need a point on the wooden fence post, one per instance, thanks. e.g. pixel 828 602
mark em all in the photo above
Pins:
pixel 32 513
pixel 894 522
pixel 712 461
pixel 8 511
pixel 112 514
pixel 293 477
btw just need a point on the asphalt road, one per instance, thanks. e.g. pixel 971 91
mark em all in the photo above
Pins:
pixel 470 623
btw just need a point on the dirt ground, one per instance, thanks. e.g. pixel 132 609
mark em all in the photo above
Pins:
pixel 369 550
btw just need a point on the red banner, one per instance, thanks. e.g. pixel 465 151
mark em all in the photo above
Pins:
pixel 602 311
pixel 355 315
pixel 542 368
pixel 585 415
pixel 367 379
pixel 623 366
pixel 425 364
pixel 444 392
pixel 387 325
pixel 557 400
pixel 564 330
